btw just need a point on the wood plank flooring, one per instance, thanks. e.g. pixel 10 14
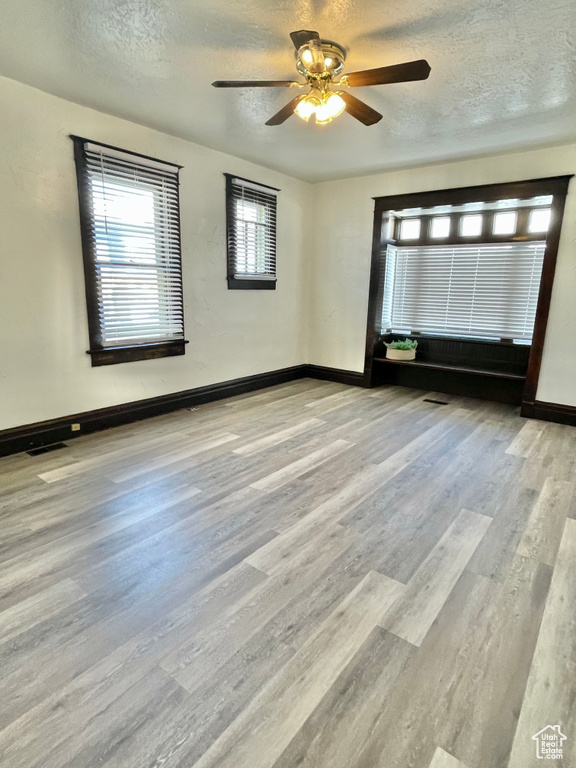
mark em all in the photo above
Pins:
pixel 311 575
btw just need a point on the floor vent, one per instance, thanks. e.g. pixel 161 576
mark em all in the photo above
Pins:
pixel 436 402
pixel 46 449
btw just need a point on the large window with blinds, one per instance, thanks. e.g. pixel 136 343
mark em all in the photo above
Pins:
pixel 485 291
pixel 129 214
pixel 251 234
pixel 470 271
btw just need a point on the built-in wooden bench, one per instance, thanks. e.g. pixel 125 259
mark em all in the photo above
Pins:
pixel 477 368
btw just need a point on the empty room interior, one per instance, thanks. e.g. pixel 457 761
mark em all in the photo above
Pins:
pixel 287 384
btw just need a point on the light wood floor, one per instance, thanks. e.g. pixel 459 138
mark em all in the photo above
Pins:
pixel 310 575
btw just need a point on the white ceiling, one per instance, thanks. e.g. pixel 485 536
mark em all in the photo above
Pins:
pixel 503 73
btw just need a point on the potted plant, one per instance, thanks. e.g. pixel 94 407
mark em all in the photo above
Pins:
pixel 401 350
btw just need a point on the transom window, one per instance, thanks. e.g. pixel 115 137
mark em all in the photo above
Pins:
pixel 539 220
pixel 471 225
pixel 440 227
pixel 478 222
pixel 410 229
pixel 505 223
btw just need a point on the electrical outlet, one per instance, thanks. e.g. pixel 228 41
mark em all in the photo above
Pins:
pixel 75 427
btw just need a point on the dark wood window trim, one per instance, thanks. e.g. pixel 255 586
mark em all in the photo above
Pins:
pixel 100 353
pixel 556 186
pixel 234 283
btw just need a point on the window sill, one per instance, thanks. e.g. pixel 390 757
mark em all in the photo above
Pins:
pixel 251 285
pixel 128 354
pixel 457 339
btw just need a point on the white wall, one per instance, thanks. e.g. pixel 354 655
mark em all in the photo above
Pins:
pixel 317 314
pixel 341 268
pixel 44 370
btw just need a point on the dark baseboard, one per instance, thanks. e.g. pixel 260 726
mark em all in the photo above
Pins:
pixel 55 430
pixel 334 374
pixel 43 433
pixel 560 414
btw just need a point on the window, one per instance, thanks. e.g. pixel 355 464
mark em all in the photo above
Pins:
pixel 471 226
pixel 539 220
pixel 455 288
pixel 478 303
pixel 251 234
pixel 440 227
pixel 129 215
pixel 410 229
pixel 476 291
pixel 505 223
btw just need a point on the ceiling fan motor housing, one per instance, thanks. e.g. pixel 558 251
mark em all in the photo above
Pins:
pixel 334 58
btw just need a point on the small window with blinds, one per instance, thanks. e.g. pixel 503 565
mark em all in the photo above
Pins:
pixel 251 234
pixel 130 221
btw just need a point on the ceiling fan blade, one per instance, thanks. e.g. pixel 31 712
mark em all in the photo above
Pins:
pixel 303 36
pixel 359 110
pixel 285 112
pixel 253 83
pixel 397 73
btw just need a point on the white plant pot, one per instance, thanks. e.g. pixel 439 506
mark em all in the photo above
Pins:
pixel 400 354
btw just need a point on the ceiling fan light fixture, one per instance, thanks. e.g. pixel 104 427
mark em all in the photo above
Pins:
pixel 332 106
pixel 307 106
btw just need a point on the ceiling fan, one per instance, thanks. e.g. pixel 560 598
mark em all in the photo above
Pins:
pixel 321 62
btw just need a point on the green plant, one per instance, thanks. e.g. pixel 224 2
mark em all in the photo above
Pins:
pixel 406 344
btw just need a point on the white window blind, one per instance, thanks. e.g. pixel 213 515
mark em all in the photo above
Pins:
pixel 483 291
pixel 132 231
pixel 251 231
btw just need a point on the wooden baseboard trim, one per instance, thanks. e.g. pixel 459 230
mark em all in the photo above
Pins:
pixel 560 414
pixel 42 433
pixel 334 374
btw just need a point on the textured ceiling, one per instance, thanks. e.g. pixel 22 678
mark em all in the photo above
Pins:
pixel 503 73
